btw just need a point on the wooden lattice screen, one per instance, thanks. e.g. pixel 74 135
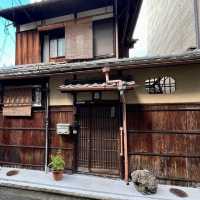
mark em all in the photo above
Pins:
pixel 98 139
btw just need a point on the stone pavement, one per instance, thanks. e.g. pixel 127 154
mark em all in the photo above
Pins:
pixel 32 185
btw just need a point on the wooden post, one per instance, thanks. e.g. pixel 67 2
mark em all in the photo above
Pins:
pixel 196 17
pixel 116 30
pixel 122 94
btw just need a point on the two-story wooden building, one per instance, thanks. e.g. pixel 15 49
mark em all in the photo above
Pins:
pixel 124 114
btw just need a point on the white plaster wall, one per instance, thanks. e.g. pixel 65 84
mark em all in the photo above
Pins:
pixel 56 97
pixel 170 26
pixel 187 85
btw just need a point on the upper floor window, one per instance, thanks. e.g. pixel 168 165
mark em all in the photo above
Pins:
pixel 53 45
pixel 161 85
pixel 57 47
pixel 103 38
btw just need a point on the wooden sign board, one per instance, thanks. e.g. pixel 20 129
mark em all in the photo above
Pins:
pixel 17 111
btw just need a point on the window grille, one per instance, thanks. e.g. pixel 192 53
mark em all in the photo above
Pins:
pixel 161 85
pixel 37 96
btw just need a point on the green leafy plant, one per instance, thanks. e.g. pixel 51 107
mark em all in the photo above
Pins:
pixel 57 162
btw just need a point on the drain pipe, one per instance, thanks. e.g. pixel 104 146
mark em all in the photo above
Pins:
pixel 121 142
pixel 121 152
pixel 106 70
pixel 196 18
pixel 46 127
pixel 122 94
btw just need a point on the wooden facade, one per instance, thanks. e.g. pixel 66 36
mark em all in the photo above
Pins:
pixel 165 139
pixel 162 138
pixel 28 48
pixel 82 42
pixel 22 139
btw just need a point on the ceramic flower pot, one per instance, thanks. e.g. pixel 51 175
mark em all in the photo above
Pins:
pixel 57 175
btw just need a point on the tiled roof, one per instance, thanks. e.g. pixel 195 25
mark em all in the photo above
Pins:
pixel 48 69
pixel 97 86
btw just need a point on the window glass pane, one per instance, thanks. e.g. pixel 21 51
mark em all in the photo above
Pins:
pixel 61 47
pixel 53 48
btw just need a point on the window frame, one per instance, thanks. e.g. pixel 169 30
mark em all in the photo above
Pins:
pixel 35 104
pixel 58 35
pixel 57 48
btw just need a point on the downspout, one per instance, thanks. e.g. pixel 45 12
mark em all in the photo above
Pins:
pixel 121 142
pixel 123 98
pixel 116 30
pixel 46 127
pixel 122 94
pixel 196 18
pixel 121 152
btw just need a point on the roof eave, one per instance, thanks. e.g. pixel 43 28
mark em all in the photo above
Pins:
pixel 47 70
pixel 19 14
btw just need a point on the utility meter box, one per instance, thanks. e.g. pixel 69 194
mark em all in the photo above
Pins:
pixel 63 129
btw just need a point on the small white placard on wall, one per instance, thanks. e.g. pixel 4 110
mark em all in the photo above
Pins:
pixel 63 129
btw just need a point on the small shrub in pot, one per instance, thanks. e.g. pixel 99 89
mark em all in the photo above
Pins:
pixel 57 165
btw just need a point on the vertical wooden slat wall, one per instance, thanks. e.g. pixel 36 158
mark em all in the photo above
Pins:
pixel 166 140
pixel 22 139
pixel 28 48
pixel 65 143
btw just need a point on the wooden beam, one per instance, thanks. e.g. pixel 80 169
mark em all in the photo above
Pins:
pixel 29 26
pixel 50 21
pixel 168 132
pixel 93 12
pixel 51 27
pixel 171 155
pixel 126 23
pixel 116 31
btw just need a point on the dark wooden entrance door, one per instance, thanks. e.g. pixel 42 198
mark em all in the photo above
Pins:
pixel 98 139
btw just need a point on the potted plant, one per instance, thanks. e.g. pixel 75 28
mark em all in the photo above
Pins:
pixel 57 165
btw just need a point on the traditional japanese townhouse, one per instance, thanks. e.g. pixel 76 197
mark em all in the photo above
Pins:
pixel 37 118
pixel 72 89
